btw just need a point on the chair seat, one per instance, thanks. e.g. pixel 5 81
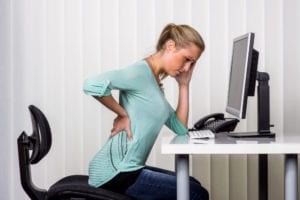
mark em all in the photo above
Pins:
pixel 77 186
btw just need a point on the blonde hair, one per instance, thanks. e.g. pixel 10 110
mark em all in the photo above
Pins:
pixel 183 35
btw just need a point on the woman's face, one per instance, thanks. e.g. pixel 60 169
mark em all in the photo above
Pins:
pixel 180 60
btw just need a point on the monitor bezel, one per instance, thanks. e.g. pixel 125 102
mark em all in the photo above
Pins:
pixel 241 113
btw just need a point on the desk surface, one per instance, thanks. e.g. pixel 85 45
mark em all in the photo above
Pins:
pixel 223 144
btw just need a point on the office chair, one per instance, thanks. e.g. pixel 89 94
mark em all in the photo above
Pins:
pixel 35 147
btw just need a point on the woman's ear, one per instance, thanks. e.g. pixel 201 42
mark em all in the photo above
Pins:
pixel 170 45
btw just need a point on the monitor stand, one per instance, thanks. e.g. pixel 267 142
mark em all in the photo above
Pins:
pixel 263 110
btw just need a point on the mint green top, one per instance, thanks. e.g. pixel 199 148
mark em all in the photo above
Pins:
pixel 148 111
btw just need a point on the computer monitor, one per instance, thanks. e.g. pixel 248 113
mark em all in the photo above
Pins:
pixel 242 75
pixel 242 81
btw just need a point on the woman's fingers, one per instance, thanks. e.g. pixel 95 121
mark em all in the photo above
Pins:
pixel 121 123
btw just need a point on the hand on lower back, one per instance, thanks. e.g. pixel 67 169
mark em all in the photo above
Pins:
pixel 121 123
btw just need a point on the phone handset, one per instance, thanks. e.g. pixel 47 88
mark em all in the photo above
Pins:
pixel 201 123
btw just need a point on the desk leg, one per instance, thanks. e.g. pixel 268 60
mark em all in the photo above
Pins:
pixel 182 174
pixel 291 177
pixel 263 176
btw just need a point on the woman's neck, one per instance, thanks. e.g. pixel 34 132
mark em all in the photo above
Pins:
pixel 155 65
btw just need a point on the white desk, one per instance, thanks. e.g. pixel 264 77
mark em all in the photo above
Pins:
pixel 182 147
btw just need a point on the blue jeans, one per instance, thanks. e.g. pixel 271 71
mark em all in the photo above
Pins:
pixel 158 184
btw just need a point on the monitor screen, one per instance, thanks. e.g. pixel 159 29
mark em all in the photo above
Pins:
pixel 242 75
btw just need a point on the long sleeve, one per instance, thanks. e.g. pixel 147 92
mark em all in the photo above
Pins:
pixel 175 125
pixel 124 79
pixel 97 87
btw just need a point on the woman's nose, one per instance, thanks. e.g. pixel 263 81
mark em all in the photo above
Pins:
pixel 187 67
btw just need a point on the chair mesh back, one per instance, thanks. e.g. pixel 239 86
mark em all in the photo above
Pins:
pixel 41 135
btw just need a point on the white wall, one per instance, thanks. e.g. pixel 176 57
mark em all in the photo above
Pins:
pixel 47 48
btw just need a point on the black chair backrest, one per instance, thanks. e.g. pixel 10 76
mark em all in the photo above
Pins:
pixel 32 149
pixel 41 135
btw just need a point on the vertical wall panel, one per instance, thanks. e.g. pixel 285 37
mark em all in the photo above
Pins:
pixel 218 22
pixel 219 174
pixel 73 85
pixel 127 32
pixel 201 170
pixel 291 62
pixel 55 91
pixel 6 71
pixel 180 7
pixel 237 177
pixel 145 28
pixel 163 14
pixel 252 177
pixel 109 26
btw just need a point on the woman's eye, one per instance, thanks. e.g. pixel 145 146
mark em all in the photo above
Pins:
pixel 187 59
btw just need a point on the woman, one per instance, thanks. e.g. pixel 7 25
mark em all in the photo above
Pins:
pixel 142 110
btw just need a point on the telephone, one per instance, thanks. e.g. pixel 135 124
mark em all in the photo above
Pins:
pixel 216 123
